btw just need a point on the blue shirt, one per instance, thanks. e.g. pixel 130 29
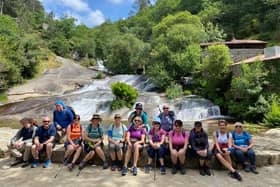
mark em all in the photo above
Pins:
pixel 45 134
pixel 93 132
pixel 117 133
pixel 242 139
pixel 63 118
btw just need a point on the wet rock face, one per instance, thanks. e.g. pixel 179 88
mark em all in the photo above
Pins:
pixel 273 133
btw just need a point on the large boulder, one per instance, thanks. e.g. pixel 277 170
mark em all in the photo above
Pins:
pixel 275 133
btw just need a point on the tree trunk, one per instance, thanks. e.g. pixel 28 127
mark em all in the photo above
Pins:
pixel 2 5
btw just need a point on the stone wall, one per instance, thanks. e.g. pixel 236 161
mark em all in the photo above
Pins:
pixel 242 54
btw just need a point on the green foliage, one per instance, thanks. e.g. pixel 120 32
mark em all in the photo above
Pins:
pixel 187 92
pixel 3 97
pixel 174 91
pixel 87 62
pixel 215 73
pixel 99 76
pixel 125 95
pixel 272 118
pixel 126 54
pixel 245 96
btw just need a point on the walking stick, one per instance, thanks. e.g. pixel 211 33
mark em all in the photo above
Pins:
pixel 155 166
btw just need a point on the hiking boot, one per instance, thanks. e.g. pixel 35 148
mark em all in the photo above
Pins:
pixel 16 153
pixel 148 168
pixel 207 171
pixel 162 170
pixel 25 164
pixel 119 164
pixel 82 165
pixel 201 171
pixel 70 166
pixel 16 162
pixel 174 170
pixel 182 170
pixel 113 166
pixel 34 164
pixel 47 163
pixel 247 168
pixel 236 175
pixel 134 171
pixel 253 169
pixel 124 171
pixel 65 161
pixel 105 165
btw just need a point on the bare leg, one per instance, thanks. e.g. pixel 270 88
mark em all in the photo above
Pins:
pixel 49 150
pixel 225 162
pixel 77 154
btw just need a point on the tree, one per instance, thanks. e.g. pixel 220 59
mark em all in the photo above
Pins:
pixel 214 77
pixel 126 54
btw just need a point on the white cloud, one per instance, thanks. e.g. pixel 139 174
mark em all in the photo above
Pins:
pixel 95 18
pixel 77 5
pixel 120 1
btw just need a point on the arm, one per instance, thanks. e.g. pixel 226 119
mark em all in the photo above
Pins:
pixel 186 142
pixel 52 135
pixel 170 141
pixel 142 139
pixel 16 137
pixel 192 142
pixel 68 132
pixel 216 143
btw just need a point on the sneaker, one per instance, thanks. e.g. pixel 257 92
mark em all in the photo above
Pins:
pixel 105 165
pixel 247 168
pixel 236 175
pixel 162 170
pixel 201 171
pixel 34 164
pixel 148 168
pixel 25 164
pixel 207 171
pixel 82 165
pixel 253 169
pixel 134 171
pixel 182 170
pixel 174 170
pixel 47 163
pixel 70 166
pixel 124 171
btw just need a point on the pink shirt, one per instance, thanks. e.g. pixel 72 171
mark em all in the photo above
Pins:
pixel 178 138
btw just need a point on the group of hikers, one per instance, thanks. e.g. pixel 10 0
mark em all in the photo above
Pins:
pixel 165 137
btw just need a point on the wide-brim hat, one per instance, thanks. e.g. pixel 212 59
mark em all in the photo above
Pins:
pixel 96 116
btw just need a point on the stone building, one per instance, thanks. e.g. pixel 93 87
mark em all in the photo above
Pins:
pixel 241 49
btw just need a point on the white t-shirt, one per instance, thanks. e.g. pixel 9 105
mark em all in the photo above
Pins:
pixel 222 138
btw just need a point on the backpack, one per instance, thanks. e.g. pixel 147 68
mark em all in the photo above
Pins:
pixel 171 114
pixel 221 145
pixel 71 109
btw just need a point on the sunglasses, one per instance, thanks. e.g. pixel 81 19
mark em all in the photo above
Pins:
pixel 156 123
pixel 46 121
pixel 165 108
pixel 137 120
pixel 238 126
pixel 77 119
pixel 178 126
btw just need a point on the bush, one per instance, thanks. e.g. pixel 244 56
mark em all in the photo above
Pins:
pixel 174 91
pixel 272 118
pixel 99 76
pixel 187 92
pixel 125 95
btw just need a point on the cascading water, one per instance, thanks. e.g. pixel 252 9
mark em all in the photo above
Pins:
pixel 97 97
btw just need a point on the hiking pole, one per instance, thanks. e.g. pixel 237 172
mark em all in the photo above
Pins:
pixel 155 166
pixel 61 166
pixel 159 109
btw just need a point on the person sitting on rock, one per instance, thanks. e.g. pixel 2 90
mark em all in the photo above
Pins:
pixel 223 146
pixel 20 144
pixel 142 114
pixel 167 118
pixel 243 148
pixel 156 149
pixel 62 117
pixel 178 142
pixel 135 140
pixel 116 139
pixel 199 148
pixel 94 141
pixel 74 142
pixel 44 140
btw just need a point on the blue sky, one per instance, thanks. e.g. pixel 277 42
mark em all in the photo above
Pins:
pixel 90 12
